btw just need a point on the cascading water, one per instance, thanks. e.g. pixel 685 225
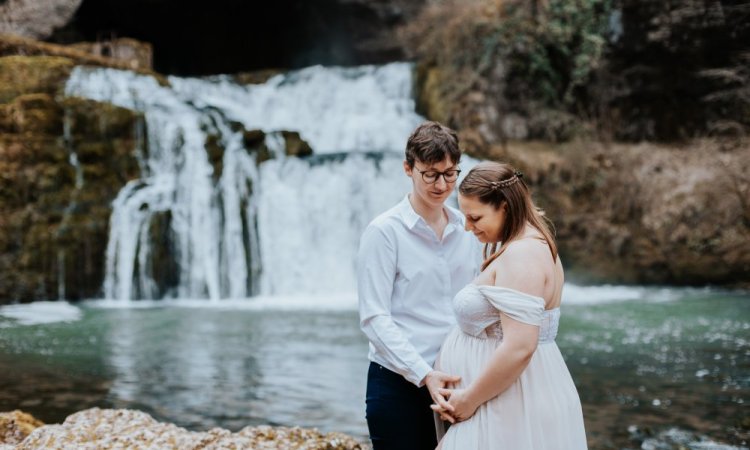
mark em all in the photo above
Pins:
pixel 285 226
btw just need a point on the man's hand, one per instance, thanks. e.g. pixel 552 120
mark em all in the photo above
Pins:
pixel 437 381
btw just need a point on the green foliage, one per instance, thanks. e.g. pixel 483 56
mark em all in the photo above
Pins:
pixel 555 52
pixel 546 53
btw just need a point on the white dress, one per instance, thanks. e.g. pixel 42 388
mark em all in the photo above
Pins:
pixel 541 409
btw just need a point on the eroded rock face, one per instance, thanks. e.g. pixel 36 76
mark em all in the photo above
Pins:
pixel 36 18
pixel 113 429
pixel 645 213
pixel 62 162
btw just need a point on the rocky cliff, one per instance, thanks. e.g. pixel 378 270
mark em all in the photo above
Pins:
pixel 62 162
pixel 626 70
pixel 571 91
pixel 644 213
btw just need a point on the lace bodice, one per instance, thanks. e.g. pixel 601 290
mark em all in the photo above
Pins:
pixel 477 309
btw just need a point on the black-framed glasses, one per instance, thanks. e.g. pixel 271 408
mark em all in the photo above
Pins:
pixel 431 176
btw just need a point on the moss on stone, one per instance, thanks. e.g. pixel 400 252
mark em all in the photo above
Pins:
pixel 96 119
pixel 432 100
pixel 52 228
pixel 32 75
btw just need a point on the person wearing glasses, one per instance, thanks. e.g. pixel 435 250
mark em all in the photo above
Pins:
pixel 412 260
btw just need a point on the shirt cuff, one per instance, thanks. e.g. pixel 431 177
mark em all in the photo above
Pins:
pixel 421 371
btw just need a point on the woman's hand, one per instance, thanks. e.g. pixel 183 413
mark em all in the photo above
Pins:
pixel 436 380
pixel 463 407
pixel 444 414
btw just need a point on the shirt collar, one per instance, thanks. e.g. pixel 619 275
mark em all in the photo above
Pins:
pixel 410 217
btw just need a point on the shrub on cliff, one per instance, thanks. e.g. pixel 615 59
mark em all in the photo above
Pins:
pixel 525 57
pixel 623 69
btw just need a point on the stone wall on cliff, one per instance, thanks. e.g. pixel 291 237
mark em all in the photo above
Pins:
pixel 62 162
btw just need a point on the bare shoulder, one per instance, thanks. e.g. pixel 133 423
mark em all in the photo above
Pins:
pixel 520 268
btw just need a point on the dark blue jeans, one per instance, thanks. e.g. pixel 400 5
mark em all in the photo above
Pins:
pixel 398 413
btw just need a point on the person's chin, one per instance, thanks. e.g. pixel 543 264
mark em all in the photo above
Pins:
pixel 481 237
pixel 439 197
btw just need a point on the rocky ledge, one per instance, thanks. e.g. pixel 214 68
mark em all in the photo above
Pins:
pixel 121 428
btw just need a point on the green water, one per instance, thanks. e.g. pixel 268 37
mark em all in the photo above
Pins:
pixel 666 370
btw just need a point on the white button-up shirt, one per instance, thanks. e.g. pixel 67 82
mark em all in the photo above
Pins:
pixel 406 279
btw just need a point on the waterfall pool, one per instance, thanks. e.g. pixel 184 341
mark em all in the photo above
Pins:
pixel 655 368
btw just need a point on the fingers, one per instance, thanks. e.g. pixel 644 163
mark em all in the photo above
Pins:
pixel 443 403
pixel 453 378
pixel 448 378
pixel 445 392
pixel 443 414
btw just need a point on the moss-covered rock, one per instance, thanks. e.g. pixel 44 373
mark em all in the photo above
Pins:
pixel 54 229
pixel 432 100
pixel 32 75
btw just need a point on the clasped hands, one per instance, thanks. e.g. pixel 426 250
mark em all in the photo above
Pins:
pixel 453 405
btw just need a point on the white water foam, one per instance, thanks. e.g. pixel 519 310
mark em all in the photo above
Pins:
pixel 335 109
pixel 41 313
pixel 288 227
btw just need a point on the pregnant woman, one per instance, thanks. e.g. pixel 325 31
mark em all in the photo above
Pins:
pixel 515 391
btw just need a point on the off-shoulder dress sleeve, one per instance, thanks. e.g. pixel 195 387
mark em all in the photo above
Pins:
pixel 519 306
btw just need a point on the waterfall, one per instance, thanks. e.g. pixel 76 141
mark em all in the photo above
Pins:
pixel 242 227
pixel 64 223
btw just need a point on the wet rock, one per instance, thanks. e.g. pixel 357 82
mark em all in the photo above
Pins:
pixel 295 145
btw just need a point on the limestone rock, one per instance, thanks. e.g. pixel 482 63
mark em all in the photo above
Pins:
pixel 15 426
pixel 104 429
pixel 36 18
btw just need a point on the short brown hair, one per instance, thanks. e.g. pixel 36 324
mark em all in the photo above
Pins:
pixel 431 142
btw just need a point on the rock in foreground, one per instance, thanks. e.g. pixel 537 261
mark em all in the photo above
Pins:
pixel 116 429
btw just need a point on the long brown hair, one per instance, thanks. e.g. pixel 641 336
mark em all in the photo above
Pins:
pixel 496 183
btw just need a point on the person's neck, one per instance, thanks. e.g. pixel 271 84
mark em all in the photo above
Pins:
pixel 430 214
